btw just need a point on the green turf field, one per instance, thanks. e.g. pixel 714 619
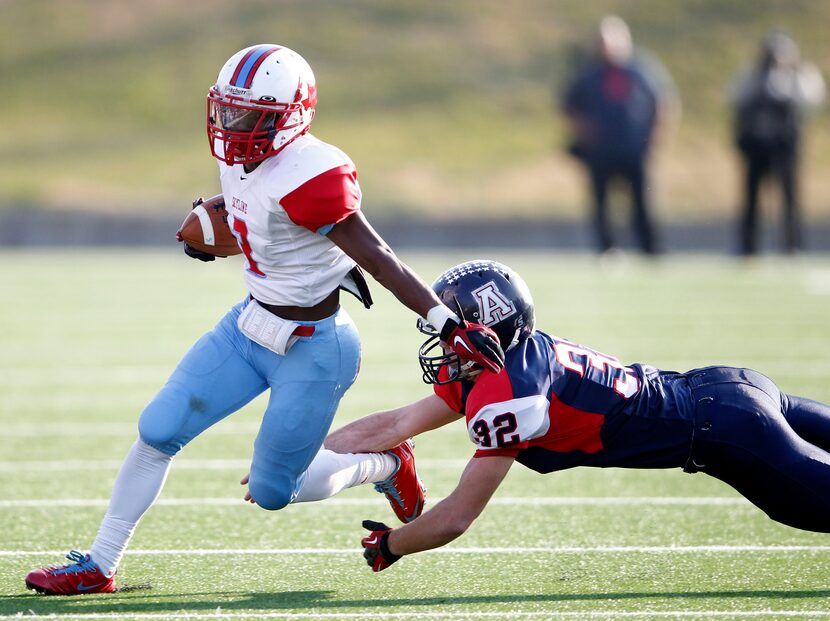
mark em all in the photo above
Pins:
pixel 88 337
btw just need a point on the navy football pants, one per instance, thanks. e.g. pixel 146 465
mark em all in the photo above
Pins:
pixel 771 447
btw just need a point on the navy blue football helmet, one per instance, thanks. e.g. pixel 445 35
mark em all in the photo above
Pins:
pixel 484 292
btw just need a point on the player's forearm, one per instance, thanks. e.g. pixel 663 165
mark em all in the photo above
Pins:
pixel 435 528
pixel 356 237
pixel 383 430
pixel 404 284
pixel 451 517
pixel 373 433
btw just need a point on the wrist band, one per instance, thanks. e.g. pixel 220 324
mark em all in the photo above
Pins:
pixel 383 546
pixel 438 315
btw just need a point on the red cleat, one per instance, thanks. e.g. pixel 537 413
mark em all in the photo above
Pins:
pixel 80 577
pixel 404 489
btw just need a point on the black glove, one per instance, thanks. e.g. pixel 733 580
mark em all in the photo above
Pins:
pixel 197 254
pixel 475 342
pixel 376 546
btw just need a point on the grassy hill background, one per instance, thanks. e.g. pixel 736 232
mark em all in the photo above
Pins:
pixel 446 107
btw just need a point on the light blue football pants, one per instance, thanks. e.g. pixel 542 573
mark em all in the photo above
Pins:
pixel 224 370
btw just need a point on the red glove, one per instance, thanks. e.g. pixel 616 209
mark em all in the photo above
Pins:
pixel 376 547
pixel 474 342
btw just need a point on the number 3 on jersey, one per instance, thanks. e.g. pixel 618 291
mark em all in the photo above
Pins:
pixel 579 359
pixel 240 229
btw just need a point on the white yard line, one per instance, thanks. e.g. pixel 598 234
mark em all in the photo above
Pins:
pixel 817 282
pixel 130 429
pixel 423 614
pixel 386 614
pixel 532 501
pixel 69 465
pixel 123 375
pixel 728 549
pixel 76 400
pixel 83 376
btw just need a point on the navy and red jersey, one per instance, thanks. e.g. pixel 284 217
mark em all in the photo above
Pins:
pixel 557 404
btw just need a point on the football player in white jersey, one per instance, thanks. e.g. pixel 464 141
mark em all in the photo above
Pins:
pixel 293 203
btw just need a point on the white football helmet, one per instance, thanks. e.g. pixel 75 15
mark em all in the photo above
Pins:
pixel 263 99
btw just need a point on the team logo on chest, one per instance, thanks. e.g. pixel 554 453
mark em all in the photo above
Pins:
pixel 239 205
pixel 492 305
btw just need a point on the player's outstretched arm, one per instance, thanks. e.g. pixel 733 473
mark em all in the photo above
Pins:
pixel 382 430
pixel 447 520
pixel 356 237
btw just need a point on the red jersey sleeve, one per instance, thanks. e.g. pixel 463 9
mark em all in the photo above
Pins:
pixel 324 200
pixel 491 388
pixel 513 451
pixel 450 394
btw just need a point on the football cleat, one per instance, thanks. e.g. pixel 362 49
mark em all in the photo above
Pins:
pixel 403 489
pixel 79 577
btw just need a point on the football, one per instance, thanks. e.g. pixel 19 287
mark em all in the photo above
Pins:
pixel 206 229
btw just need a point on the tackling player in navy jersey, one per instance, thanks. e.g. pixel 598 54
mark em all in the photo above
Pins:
pixel 557 405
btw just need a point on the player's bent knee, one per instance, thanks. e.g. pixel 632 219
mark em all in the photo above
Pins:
pixel 158 426
pixel 271 495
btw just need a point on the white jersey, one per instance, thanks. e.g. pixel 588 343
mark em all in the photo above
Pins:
pixel 280 214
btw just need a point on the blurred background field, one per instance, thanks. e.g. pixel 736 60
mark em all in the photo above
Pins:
pixel 447 108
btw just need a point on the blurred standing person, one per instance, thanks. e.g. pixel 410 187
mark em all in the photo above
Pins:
pixel 770 101
pixel 615 105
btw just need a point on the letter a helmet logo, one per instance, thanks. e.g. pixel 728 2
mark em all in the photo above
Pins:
pixel 492 305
